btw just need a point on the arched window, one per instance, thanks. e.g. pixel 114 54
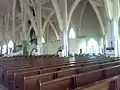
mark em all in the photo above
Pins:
pixel 10 46
pixel 43 40
pixel 4 49
pixel 72 34
pixel 92 46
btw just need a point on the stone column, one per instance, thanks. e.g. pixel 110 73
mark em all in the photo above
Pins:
pixel 112 38
pixel 39 46
pixel 64 41
pixel 39 28
pixel 25 53
pixel 14 50
pixel 104 44
pixel 24 28
pixel 112 12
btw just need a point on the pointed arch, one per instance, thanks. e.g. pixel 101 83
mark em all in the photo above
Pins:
pixel 43 40
pixel 98 16
pixel 53 28
pixel 58 13
pixel 32 36
pixel 82 12
pixel 4 49
pixel 47 20
pixel 72 34
pixel 10 46
pixel 92 46
pixel 76 2
pixel 28 33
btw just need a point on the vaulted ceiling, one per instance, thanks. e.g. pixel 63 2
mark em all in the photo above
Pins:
pixel 85 19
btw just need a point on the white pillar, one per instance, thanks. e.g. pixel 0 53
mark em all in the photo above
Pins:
pixel 13 19
pixel 113 37
pixel 14 47
pixel 24 32
pixel 64 41
pixel 39 28
pixel 39 46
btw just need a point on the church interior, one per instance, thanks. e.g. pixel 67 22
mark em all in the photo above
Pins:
pixel 59 44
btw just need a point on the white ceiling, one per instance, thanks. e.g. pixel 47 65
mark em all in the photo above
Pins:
pixel 47 7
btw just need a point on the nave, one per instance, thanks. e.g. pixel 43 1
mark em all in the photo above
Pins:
pixel 59 45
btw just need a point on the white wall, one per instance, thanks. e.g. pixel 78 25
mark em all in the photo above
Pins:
pixel 74 46
pixel 51 47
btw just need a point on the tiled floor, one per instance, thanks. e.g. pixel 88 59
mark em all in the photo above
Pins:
pixel 2 87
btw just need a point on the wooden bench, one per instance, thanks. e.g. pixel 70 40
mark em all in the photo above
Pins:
pixel 29 80
pixel 19 66
pixel 91 77
pixel 30 72
pixel 66 83
pixel 78 80
pixel 22 69
pixel 8 73
pixel 17 75
pixel 107 84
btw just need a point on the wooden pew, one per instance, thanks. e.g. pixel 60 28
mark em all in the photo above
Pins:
pixel 17 75
pixel 93 62
pixel 62 61
pixel 29 80
pixel 80 80
pixel 8 78
pixel 107 84
pixel 10 67
pixel 91 77
pixel 66 83
pixel 18 67
pixel 51 75
pixel 8 61
pixel 8 73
